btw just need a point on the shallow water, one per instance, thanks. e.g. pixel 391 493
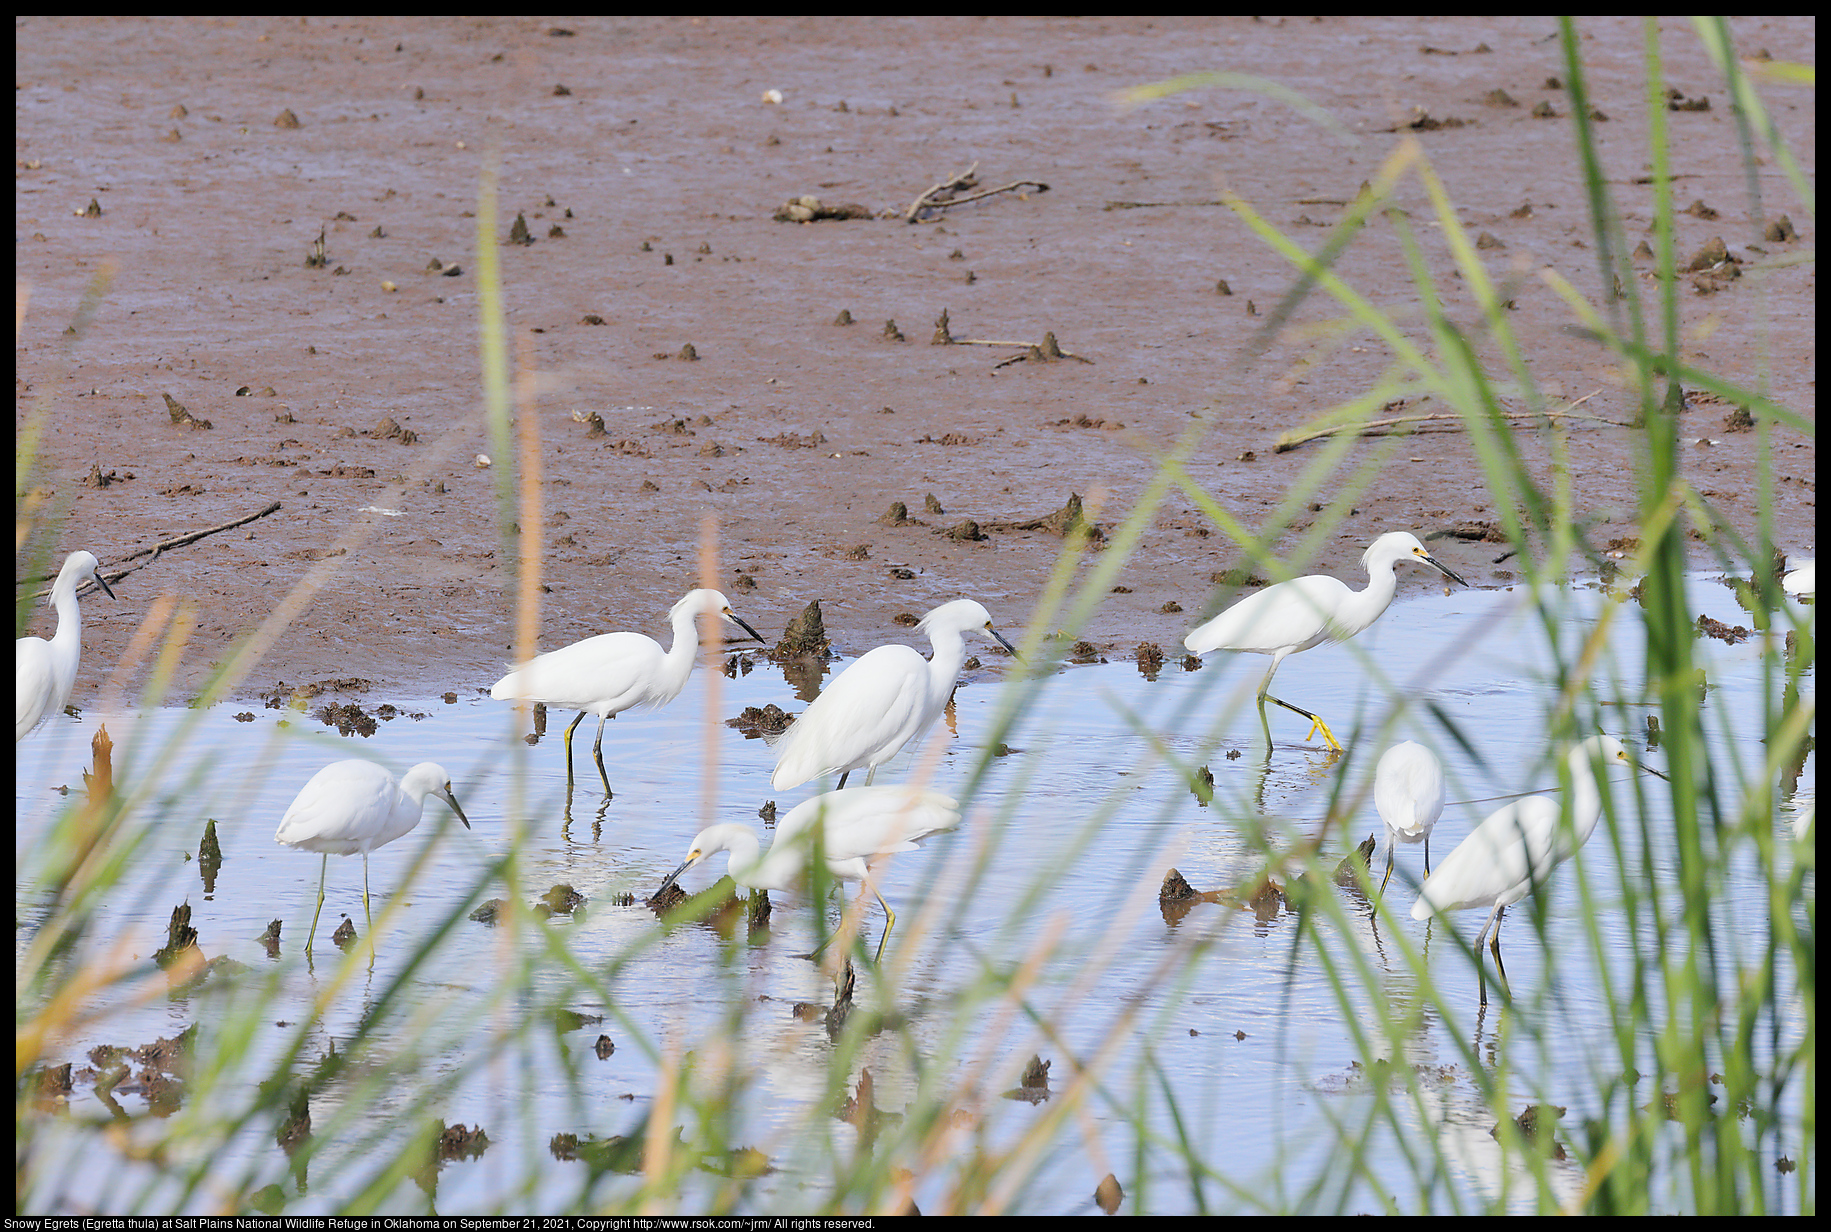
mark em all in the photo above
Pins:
pixel 1077 826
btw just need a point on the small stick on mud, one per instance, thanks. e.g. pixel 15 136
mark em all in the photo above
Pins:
pixel 159 549
pixel 931 199
pixel 1377 427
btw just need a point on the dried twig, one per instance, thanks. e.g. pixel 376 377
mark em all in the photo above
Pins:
pixel 931 200
pixel 1379 427
pixel 159 549
pixel 959 180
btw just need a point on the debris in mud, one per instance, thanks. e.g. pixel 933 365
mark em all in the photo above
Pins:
pixel 794 440
pixel 1201 785
pixel 490 913
pixel 758 911
pixel 768 721
pixel 1676 101
pixel 1537 1120
pixel 270 939
pixel 948 193
pixel 1149 657
pixel 1780 231
pixel 1422 121
pixel 1488 241
pixel 457 1142
pixel 345 936
pixel 96 479
pixel 903 575
pixel 677 427
pixel 1170 607
pixel 286 119
pixel 1239 577
pixel 1033 1087
pixel 948 438
pixel 1711 258
pixel 1042 352
pixel 1085 652
pixel 1108 1195
pixel 182 417
pixel 562 899
pixel 518 231
pixel 316 258
pixel 388 430
pixel 844 317
pixel 50 1086
pixel 805 635
pixel 348 718
pixel 1731 634
pixel 688 353
pixel 179 955
pixel 604 1048
pixel 1498 97
pixel 1176 888
pixel 565 1021
pixel 246 716
pixel 1063 522
pixel 1739 420
pixel 1543 110
pixel 436 266
pixel 861 1112
pixel 860 552
pixel 897 515
pixel 812 209
pixel 209 856
pixel 966 532
pixel 892 332
pixel 664 901
pixel 1352 871
pixel 1082 421
pixel 1193 664
pixel 768 812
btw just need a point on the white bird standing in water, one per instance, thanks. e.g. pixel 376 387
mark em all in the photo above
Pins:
pixel 47 670
pixel 1408 791
pixel 1308 611
pixel 353 807
pixel 1516 848
pixel 887 698
pixel 614 672
pixel 855 829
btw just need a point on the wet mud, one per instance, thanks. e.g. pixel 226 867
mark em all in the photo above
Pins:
pixel 273 372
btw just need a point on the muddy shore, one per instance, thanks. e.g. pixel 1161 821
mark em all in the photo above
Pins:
pixel 685 344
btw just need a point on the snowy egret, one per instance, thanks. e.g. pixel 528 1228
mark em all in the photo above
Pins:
pixel 354 806
pixel 614 672
pixel 1517 846
pixel 1802 582
pixel 1408 791
pixel 47 670
pixel 855 828
pixel 1308 611
pixel 887 698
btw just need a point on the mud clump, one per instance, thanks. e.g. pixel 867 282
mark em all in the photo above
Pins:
pixel 813 209
pixel 897 515
pixel 1149 657
pixel 755 723
pixel 349 719
pixel 966 532
pixel 1353 867
pixel 1730 634
pixel 560 900
pixel 805 635
pixel 184 418
pixel 1033 1086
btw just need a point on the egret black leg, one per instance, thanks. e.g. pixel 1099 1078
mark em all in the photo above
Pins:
pixel 597 751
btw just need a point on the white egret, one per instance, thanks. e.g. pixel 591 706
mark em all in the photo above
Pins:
pixel 1516 847
pixel 354 806
pixel 614 672
pixel 1308 611
pixel 1408 791
pixel 853 829
pixel 1801 582
pixel 887 698
pixel 47 670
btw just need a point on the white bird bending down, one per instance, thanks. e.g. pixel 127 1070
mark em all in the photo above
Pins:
pixel 47 670
pixel 1516 847
pixel 1308 611
pixel 1408 791
pixel 887 698
pixel 1802 582
pixel 352 807
pixel 614 672
pixel 853 829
